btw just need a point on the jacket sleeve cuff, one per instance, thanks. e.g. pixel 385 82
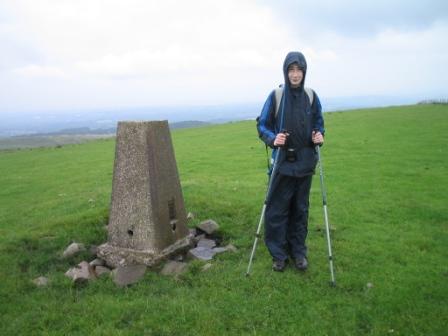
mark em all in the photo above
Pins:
pixel 270 141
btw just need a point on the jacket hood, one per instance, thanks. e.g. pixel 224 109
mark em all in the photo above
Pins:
pixel 294 57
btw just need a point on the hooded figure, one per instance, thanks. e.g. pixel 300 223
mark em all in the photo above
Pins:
pixel 294 129
pixel 297 117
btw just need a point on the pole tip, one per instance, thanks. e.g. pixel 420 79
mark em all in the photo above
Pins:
pixel 247 274
pixel 333 283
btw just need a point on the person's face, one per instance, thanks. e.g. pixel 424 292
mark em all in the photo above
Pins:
pixel 295 75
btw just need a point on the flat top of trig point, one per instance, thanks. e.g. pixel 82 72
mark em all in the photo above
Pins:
pixel 144 122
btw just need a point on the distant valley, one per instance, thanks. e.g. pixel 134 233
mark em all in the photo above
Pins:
pixel 73 136
pixel 24 129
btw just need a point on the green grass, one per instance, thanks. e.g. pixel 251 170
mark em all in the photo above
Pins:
pixel 386 177
pixel 57 140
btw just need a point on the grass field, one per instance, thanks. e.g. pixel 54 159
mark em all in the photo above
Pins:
pixel 34 141
pixel 386 175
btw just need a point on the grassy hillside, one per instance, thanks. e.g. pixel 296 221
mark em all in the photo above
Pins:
pixel 386 175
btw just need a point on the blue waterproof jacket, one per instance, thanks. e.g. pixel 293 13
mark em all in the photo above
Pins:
pixel 298 116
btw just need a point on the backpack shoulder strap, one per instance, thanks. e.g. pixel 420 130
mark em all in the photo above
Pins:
pixel 279 93
pixel 310 94
pixel 278 98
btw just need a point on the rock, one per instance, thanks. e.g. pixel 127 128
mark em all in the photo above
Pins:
pixel 206 267
pixel 231 248
pixel 208 243
pixel 219 249
pixel 190 216
pixel 198 238
pixel 179 257
pixel 193 232
pixel 101 270
pixel 128 275
pixel 97 262
pixel 83 272
pixel 209 226
pixel 41 281
pixel 228 248
pixel 174 268
pixel 201 253
pixel 73 249
pixel 70 273
pixel 93 250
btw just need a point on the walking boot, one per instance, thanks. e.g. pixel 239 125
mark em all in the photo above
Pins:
pixel 279 265
pixel 301 263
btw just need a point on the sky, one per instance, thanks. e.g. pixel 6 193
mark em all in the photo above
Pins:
pixel 61 55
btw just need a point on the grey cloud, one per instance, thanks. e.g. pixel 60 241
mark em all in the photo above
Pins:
pixel 358 18
pixel 16 50
pixel 17 53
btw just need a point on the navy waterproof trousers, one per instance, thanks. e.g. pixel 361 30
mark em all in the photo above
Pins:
pixel 286 217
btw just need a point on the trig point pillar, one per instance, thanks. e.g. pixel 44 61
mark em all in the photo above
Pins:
pixel 147 221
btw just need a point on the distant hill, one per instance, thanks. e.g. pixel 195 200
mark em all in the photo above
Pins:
pixel 33 122
pixel 73 131
pixel 74 136
pixel 113 130
pixel 189 124
pixel 433 101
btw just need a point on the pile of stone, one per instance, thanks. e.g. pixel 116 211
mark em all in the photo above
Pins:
pixel 207 241
pixel 88 271
pixel 207 244
pixel 84 271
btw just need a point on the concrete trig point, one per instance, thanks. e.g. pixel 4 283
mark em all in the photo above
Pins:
pixel 147 217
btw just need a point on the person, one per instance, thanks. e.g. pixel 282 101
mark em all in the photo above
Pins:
pixel 295 129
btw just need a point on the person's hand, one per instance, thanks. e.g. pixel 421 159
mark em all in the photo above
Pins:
pixel 317 138
pixel 280 139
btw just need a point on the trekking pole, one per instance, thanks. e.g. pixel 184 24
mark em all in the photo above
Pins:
pixel 327 227
pixel 268 192
pixel 271 179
